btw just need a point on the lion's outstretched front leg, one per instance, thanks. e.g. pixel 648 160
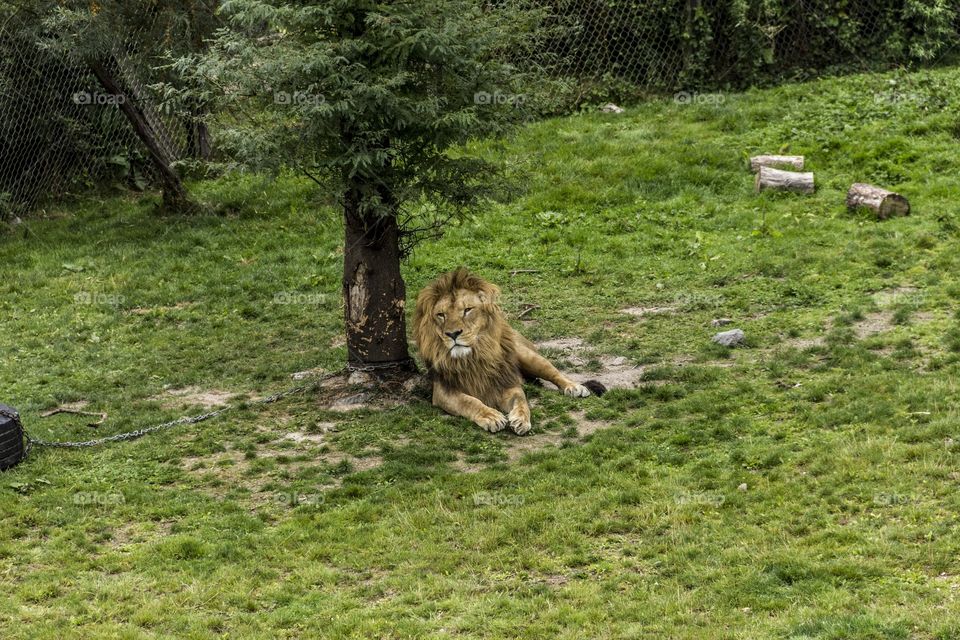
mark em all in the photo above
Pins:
pixel 534 364
pixel 514 403
pixel 466 406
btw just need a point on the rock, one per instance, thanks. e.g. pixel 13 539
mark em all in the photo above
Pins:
pixel 359 377
pixel 611 108
pixel 742 487
pixel 619 361
pixel 309 373
pixel 730 338
pixel 411 385
pixel 720 322
pixel 351 403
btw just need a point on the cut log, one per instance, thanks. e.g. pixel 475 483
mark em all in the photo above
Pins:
pixel 768 178
pixel 882 202
pixel 776 162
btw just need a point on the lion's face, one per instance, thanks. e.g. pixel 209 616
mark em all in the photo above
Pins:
pixel 457 320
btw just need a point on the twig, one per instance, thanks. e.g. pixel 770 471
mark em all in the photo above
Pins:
pixel 529 308
pixel 516 271
pixel 53 412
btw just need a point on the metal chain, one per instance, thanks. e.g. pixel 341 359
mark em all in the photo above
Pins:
pixel 408 363
pixel 133 435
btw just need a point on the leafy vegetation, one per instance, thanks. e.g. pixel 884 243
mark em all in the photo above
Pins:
pixel 683 44
pixel 803 486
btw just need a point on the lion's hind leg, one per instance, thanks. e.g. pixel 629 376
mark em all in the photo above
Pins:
pixel 534 364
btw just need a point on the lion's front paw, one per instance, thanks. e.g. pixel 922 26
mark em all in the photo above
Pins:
pixel 519 420
pixel 576 391
pixel 491 420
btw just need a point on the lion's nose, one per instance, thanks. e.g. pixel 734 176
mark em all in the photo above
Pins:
pixel 453 334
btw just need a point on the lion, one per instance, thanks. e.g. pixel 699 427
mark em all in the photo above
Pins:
pixel 476 360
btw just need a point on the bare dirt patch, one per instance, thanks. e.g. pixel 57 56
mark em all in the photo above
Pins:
pixel 587 427
pixel 803 343
pixel 463 466
pixel 195 396
pixel 316 372
pixel 897 295
pixel 132 533
pixel 873 323
pixel 530 443
pixel 647 311
pixel 562 344
pixel 301 437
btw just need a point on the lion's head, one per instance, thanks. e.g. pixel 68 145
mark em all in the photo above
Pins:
pixel 458 323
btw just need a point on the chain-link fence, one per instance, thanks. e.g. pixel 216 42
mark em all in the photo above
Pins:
pixel 631 48
pixel 81 111
pixel 61 130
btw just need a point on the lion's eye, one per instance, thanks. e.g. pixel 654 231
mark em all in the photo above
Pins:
pixel 441 316
pixel 467 310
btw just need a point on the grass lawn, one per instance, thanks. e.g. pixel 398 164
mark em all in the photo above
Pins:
pixel 801 486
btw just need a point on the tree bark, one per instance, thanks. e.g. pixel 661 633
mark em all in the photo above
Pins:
pixel 175 195
pixel 884 203
pixel 199 141
pixel 776 162
pixel 198 136
pixel 768 178
pixel 373 289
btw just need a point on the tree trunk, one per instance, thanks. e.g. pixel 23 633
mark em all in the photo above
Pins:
pixel 374 293
pixel 198 136
pixel 768 178
pixel 175 196
pixel 884 203
pixel 199 141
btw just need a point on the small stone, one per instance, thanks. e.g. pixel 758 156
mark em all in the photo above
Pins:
pixel 730 338
pixel 309 373
pixel 949 442
pixel 359 377
pixel 742 487
pixel 720 322
pixel 611 108
pixel 350 403
pixel 619 361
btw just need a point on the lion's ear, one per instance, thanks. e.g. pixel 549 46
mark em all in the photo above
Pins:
pixel 424 305
pixel 489 293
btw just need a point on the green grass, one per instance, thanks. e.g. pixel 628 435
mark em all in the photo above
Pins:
pixel 803 486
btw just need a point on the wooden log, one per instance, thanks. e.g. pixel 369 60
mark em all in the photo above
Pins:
pixel 768 178
pixel 776 162
pixel 882 202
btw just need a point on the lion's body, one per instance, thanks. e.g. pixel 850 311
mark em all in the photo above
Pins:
pixel 480 375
